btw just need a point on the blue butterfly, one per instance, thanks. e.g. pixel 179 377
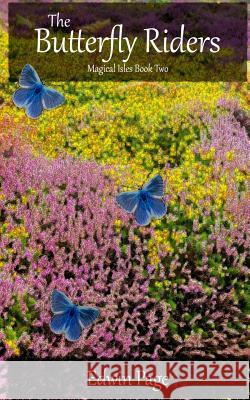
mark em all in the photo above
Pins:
pixel 69 318
pixel 33 95
pixel 145 203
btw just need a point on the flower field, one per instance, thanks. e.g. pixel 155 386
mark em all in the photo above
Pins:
pixel 178 288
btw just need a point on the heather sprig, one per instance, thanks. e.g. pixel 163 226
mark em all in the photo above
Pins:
pixel 60 232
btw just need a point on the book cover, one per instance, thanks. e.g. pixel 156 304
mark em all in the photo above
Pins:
pixel 124 200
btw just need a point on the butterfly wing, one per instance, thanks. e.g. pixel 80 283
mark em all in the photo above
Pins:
pixel 21 97
pixel 143 213
pixel 157 208
pixel 128 201
pixel 87 315
pixel 155 187
pixel 28 77
pixel 60 302
pixel 73 330
pixel 59 322
pixel 51 98
pixel 34 107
